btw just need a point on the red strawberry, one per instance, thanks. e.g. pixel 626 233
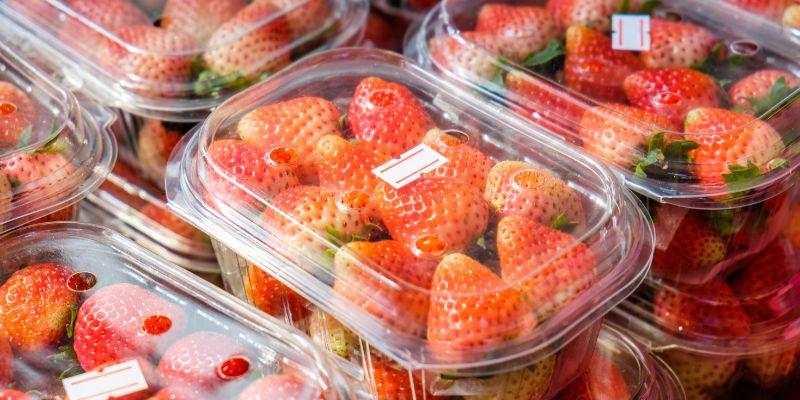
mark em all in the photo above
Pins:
pixel 695 246
pixel 362 269
pixel 545 103
pixel 382 32
pixel 17 113
pixel 6 362
pixel 792 229
pixel 702 377
pixel 791 16
pixel 110 15
pixel 273 297
pixel 173 393
pixel 10 394
pixel 235 48
pixel 199 18
pixel 707 310
pixel 593 68
pixel 757 88
pixel 297 124
pixel 520 188
pixel 392 382
pixel 347 166
pixel 728 138
pixel 299 213
pixel 34 172
pixel 769 370
pixel 473 309
pixel 172 222
pixel 464 162
pixel 531 382
pixel 520 30
pixel 433 215
pixel 122 321
pixel 310 15
pixel 671 92
pixel 387 114
pixel 284 387
pixel 764 283
pixel 769 8
pixel 602 381
pixel 677 44
pixel 204 361
pixel 471 56
pixel 592 13
pixel 422 4
pixel 266 173
pixel 6 195
pixel 617 133
pixel 546 263
pixel 155 144
pixel 35 307
pixel 153 60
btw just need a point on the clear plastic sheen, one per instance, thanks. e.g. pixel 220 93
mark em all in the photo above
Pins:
pixel 615 229
pixel 559 108
pixel 77 134
pixel 271 348
pixel 410 9
pixel 778 17
pixel 75 44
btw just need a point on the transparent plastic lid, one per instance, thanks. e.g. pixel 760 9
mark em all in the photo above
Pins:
pixel 410 9
pixel 779 16
pixel 88 314
pixel 622 369
pixel 690 109
pixel 53 150
pixel 178 59
pixel 431 225
pixel 754 311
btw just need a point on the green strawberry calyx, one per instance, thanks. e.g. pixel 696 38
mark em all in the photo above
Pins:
pixel 562 224
pixel 551 52
pixel 780 90
pixel 665 157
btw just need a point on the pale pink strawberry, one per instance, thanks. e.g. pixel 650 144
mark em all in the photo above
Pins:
pixel 347 166
pixel 592 13
pixel 677 44
pixel 152 61
pixel 701 376
pixel 35 172
pixel 520 188
pixel 464 162
pixel 387 114
pixel 756 89
pixel 205 361
pixel 433 215
pixel 791 16
pixel 284 387
pixel 545 263
pixel 303 16
pixel 768 8
pixel 520 30
pixel 472 55
pixel 17 114
pixel 671 92
pixel 297 124
pixel 237 48
pixel 199 18
pixel 155 144
pixel 110 15
pixel 265 173
pixel 617 133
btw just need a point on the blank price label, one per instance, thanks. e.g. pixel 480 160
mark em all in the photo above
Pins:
pixel 630 32
pixel 409 166
pixel 117 380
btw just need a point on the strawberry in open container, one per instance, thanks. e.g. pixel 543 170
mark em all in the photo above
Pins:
pixel 434 229
pixel 697 117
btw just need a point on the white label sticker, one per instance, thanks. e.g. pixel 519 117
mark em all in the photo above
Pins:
pixel 409 166
pixel 117 380
pixel 630 32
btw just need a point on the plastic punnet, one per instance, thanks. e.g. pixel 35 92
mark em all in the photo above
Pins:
pixel 282 176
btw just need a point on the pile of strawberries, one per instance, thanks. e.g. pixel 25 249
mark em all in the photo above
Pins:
pixel 56 323
pixel 25 175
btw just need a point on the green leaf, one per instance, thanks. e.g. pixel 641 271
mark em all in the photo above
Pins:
pixel 739 175
pixel 561 219
pixel 73 310
pixel 722 221
pixel 648 6
pixel 342 122
pixel 553 50
pixel 14 182
pixel 53 128
pixel 25 136
pixel 656 142
pixel 779 91
pixel 776 163
pixel 335 234
pixel 739 60
pixel 329 254
pixel 74 370
pixel 624 7
pixel 679 149
pixel 639 171
pixel 481 242
pixel 723 83
pixel 209 82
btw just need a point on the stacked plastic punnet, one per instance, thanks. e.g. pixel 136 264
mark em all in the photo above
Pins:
pixel 476 259
pixel 407 9
pixel 776 15
pixel 701 120
pixel 85 313
pixel 53 151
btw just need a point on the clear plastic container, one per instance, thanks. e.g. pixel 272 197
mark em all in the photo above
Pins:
pixel 407 9
pixel 622 369
pixel 95 300
pixel 778 16
pixel 177 60
pixel 53 150
pixel 715 180
pixel 604 256
pixel 733 338
pixel 136 209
